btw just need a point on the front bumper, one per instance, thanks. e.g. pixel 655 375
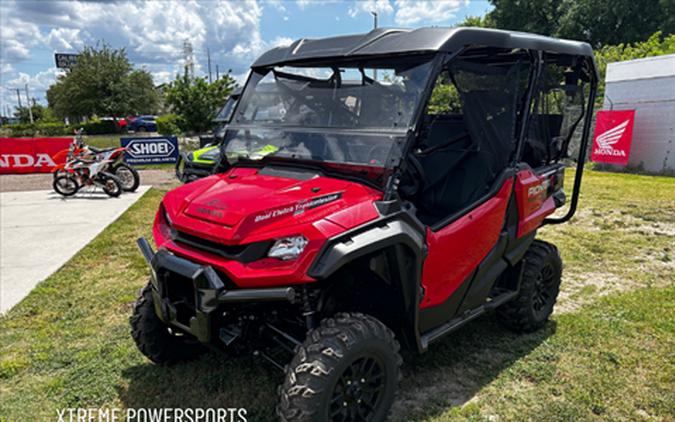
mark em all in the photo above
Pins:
pixel 187 295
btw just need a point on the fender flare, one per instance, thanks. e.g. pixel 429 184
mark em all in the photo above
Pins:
pixel 397 233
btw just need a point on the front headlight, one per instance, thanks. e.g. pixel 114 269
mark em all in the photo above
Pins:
pixel 166 216
pixel 288 248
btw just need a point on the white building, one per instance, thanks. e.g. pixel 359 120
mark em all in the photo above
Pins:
pixel 647 86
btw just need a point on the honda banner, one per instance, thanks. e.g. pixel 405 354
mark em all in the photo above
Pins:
pixel 152 150
pixel 31 155
pixel 613 136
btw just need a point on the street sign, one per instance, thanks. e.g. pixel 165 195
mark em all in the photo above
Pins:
pixel 65 61
pixel 150 150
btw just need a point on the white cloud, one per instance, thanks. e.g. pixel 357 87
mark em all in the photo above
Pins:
pixel 281 42
pixel 413 12
pixel 65 39
pixel 367 6
pixel 277 4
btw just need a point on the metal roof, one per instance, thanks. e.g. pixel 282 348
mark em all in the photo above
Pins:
pixel 384 41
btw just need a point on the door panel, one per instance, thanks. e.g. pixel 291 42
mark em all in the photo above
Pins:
pixel 456 249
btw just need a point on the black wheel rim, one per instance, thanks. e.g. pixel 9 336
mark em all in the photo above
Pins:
pixel 359 390
pixel 543 290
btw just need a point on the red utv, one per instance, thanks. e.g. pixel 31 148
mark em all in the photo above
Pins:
pixel 389 192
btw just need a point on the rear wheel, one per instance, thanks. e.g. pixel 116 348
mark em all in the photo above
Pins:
pixel 111 186
pixel 346 370
pixel 65 185
pixel 156 340
pixel 539 289
pixel 128 177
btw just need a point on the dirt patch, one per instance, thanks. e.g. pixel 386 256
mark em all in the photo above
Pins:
pixel 163 179
pixel 595 220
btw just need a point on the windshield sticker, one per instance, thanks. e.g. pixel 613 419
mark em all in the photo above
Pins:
pixel 299 207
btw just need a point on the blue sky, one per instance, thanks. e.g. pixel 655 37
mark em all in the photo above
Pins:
pixel 153 32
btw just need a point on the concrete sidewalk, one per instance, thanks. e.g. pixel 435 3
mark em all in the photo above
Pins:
pixel 40 231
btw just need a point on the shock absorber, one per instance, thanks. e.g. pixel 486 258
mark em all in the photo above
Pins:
pixel 307 308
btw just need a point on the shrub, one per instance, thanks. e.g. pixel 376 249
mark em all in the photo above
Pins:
pixel 53 129
pixel 99 127
pixel 170 124
pixel 37 129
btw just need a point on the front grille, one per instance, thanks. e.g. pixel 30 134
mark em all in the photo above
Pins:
pixel 243 253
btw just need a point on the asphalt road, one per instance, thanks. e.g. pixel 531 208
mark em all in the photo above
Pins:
pixel 40 231
pixel 25 182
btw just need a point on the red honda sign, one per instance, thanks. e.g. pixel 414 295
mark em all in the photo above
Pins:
pixel 613 136
pixel 31 155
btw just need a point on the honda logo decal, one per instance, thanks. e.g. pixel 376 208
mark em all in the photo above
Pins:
pixel 613 136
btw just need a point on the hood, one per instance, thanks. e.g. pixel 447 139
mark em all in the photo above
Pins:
pixel 247 201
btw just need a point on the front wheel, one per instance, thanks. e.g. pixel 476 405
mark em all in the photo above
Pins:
pixel 65 185
pixel 128 177
pixel 539 289
pixel 346 370
pixel 156 340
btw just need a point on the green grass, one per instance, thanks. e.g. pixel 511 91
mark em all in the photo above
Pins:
pixel 608 353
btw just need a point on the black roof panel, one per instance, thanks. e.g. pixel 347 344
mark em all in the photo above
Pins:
pixel 384 41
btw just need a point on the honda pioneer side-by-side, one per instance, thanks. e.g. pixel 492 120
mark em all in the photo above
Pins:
pixel 380 191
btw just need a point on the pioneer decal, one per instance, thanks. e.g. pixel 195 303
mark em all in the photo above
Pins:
pixel 298 208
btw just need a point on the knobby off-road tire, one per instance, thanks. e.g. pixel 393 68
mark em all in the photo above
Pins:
pixel 65 185
pixel 128 177
pixel 111 185
pixel 539 289
pixel 347 369
pixel 154 338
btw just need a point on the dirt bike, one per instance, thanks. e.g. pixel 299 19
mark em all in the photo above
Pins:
pixel 127 175
pixel 87 171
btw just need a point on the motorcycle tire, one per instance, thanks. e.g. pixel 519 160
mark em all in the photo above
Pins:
pixel 111 185
pixel 128 176
pixel 180 168
pixel 65 185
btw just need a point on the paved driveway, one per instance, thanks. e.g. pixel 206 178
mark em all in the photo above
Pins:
pixel 40 231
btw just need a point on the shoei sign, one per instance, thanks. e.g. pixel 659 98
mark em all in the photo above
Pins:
pixel 154 150
pixel 613 136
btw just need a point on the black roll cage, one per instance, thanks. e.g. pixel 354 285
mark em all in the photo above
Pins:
pixel 439 61
pixel 537 58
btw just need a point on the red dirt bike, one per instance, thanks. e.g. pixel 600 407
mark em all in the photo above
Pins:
pixel 81 172
pixel 127 175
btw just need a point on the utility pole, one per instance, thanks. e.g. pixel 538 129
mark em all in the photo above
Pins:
pixel 374 27
pixel 30 109
pixel 208 56
pixel 217 73
pixel 18 96
pixel 189 62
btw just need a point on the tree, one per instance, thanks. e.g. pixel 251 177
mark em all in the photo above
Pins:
pixel 103 83
pixel 477 21
pixel 599 22
pixel 197 101
pixel 656 45
pixel 24 116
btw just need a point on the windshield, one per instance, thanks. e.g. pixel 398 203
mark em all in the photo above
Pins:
pixel 356 113
pixel 225 113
